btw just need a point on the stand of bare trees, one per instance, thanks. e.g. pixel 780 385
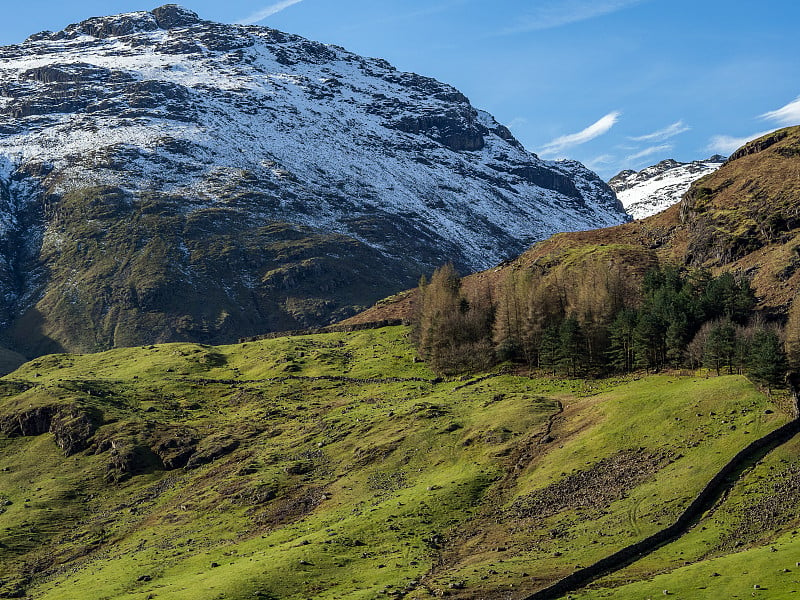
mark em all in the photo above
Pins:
pixel 452 330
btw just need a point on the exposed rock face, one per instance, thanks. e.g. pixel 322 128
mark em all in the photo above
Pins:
pixel 35 421
pixel 71 426
pixel 73 429
pixel 168 178
pixel 172 15
pixel 759 145
pixel 175 446
pixel 212 448
pixel 658 187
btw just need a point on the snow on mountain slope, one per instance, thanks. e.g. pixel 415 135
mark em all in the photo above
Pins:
pixel 265 127
pixel 199 102
pixel 658 187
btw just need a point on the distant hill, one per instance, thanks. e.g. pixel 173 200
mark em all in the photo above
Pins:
pixel 742 218
pixel 658 187
pixel 10 360
pixel 166 178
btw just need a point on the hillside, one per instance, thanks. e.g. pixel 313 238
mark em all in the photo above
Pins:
pixel 336 466
pixel 741 219
pixel 651 190
pixel 166 178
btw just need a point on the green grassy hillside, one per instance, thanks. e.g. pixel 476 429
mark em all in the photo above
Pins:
pixel 750 539
pixel 336 466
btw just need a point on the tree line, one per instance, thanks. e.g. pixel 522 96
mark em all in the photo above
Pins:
pixel 599 320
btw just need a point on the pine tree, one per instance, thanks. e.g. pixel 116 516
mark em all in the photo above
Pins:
pixel 649 340
pixel 571 347
pixel 675 338
pixel 509 326
pixel 592 301
pixel 454 330
pixel 439 304
pixel 417 305
pixel 622 353
pixel 548 349
pixel 545 309
pixel 767 360
pixel 728 297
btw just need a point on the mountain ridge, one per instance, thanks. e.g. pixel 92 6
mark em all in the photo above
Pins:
pixel 152 136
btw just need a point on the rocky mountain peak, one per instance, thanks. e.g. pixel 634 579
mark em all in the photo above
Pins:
pixel 669 163
pixel 257 141
pixel 172 15
pixel 659 186
pixel 165 17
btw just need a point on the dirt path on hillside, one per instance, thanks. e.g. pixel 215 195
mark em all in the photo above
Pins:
pixel 485 530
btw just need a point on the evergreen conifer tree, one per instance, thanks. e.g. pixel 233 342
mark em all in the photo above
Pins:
pixel 767 360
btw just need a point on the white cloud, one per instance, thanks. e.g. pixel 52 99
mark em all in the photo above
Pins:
pixel 787 115
pixel 726 144
pixel 663 134
pixel 649 152
pixel 575 139
pixel 556 13
pixel 267 11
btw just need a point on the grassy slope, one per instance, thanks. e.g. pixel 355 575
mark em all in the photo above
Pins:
pixel 347 489
pixel 749 539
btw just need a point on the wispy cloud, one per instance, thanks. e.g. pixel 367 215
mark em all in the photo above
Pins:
pixel 663 134
pixel 787 115
pixel 575 139
pixel 726 144
pixel 267 11
pixel 556 13
pixel 649 152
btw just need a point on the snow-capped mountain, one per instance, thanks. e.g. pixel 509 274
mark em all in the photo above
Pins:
pixel 658 187
pixel 248 127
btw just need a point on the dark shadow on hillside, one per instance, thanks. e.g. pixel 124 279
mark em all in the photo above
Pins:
pixel 28 338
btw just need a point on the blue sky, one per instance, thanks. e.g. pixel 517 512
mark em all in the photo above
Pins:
pixel 613 83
